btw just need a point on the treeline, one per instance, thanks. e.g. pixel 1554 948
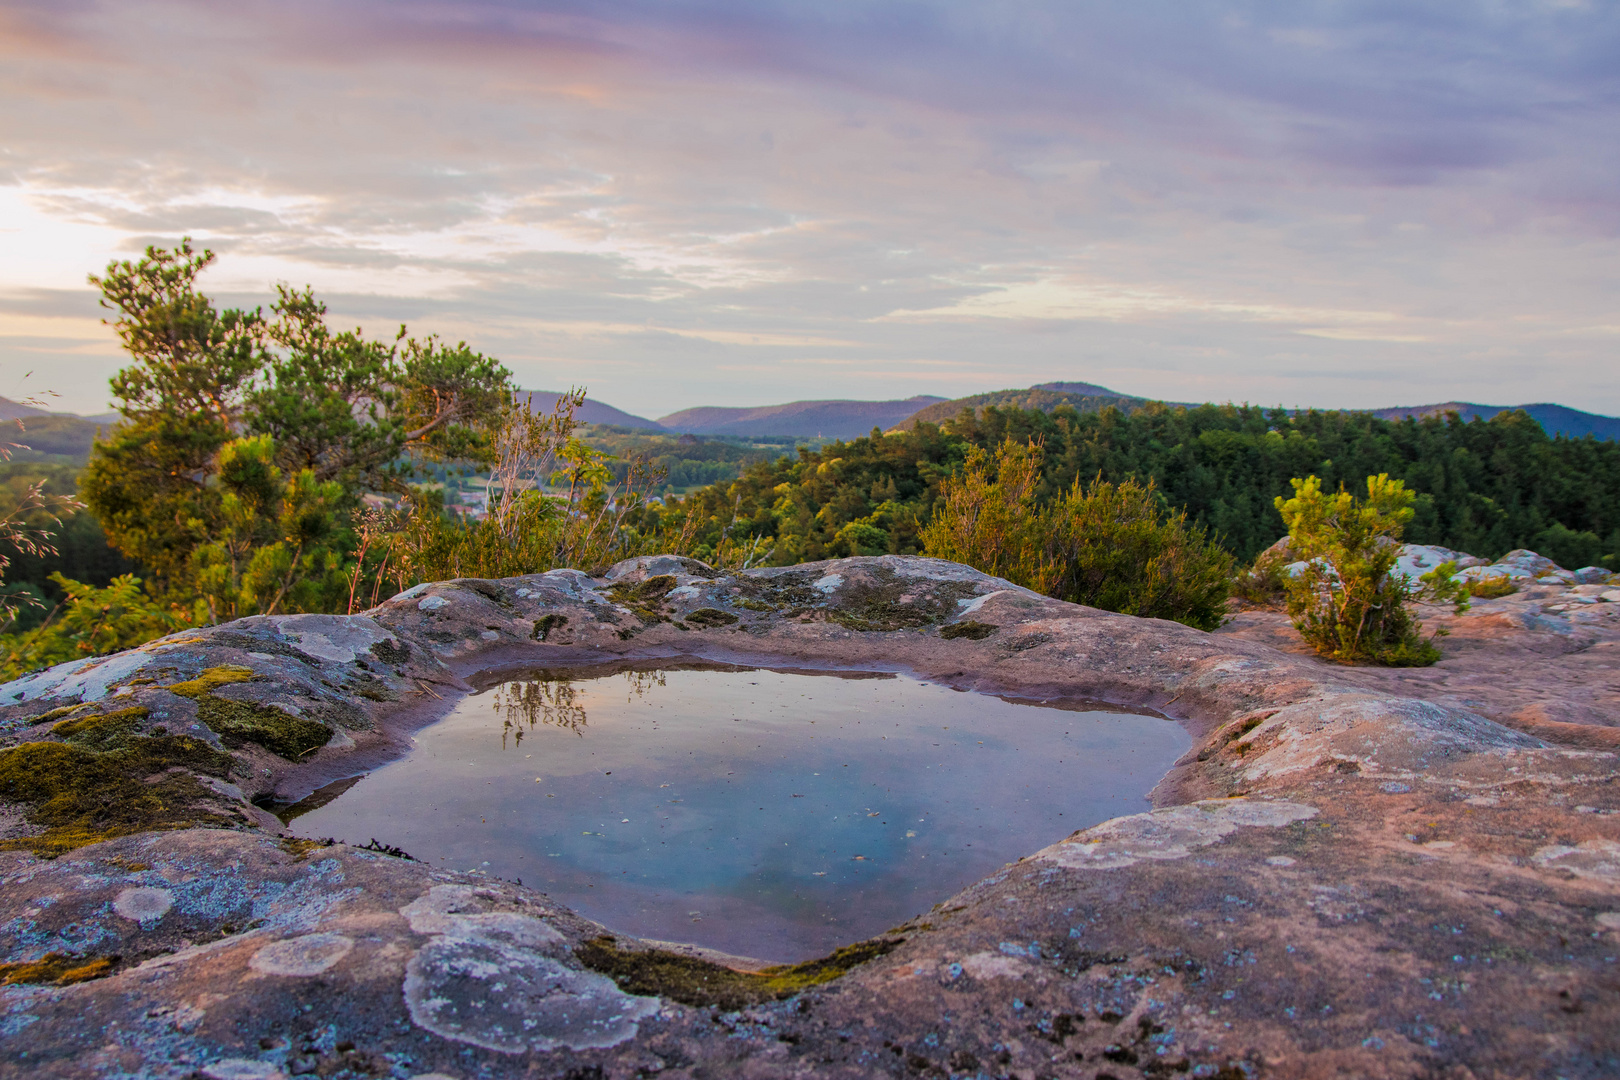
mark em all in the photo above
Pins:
pixel 1484 487
pixel 685 461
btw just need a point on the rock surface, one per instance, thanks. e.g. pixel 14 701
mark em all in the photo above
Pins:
pixel 1356 872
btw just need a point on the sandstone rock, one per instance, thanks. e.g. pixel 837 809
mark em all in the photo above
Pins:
pixel 1418 559
pixel 1366 872
pixel 1522 566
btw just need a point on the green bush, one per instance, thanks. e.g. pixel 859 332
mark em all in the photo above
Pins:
pixel 1110 546
pixel 93 622
pixel 1348 603
pixel 1265 584
pixel 1492 587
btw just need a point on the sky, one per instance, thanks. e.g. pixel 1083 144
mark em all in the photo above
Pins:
pixel 744 202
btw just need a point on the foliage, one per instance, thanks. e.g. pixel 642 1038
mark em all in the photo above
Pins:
pixel 867 496
pixel 77 549
pixel 1119 548
pixel 346 408
pixel 29 516
pixel 1112 546
pixel 1265 583
pixel 1492 588
pixel 56 440
pixel 1348 603
pixel 274 547
pixel 989 520
pixel 687 461
pixel 92 621
pixel 596 519
pixel 247 441
pixel 1486 487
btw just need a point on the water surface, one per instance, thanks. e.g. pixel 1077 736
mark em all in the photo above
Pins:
pixel 763 813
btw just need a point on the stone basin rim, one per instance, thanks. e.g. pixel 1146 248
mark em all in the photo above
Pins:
pixel 1335 763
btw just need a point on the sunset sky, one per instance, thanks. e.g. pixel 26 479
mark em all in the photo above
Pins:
pixel 740 202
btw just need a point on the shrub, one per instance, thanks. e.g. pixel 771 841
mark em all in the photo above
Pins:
pixel 1111 546
pixel 1265 584
pixel 1348 603
pixel 92 622
pixel 1492 587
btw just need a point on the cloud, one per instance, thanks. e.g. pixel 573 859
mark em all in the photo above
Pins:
pixel 711 201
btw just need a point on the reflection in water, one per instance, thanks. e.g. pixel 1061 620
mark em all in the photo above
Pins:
pixel 525 705
pixel 761 813
pixel 554 702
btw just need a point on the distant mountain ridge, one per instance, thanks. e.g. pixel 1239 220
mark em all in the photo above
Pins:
pixel 1043 397
pixel 828 419
pixel 1089 397
pixel 1554 419
pixel 592 412
pixel 16 410
pixel 67 436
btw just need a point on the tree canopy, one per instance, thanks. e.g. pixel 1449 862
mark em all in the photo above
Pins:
pixel 1480 486
pixel 248 439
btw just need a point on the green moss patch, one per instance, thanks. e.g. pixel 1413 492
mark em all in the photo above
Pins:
pixel 277 731
pixel 299 847
pixel 102 731
pixel 973 631
pixel 644 598
pixel 57 714
pixel 897 604
pixel 57 969
pixel 1492 587
pixel 83 796
pixel 701 983
pixel 210 680
pixel 545 624
pixel 238 722
pixel 709 616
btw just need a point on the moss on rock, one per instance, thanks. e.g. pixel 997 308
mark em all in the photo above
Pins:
pixel 545 624
pixel 973 631
pixel 710 617
pixel 57 714
pixel 692 981
pixel 238 722
pixel 79 796
pixel 644 598
pixel 391 652
pixel 211 679
pixel 58 969
pixel 102 731
pixel 279 732
pixel 898 604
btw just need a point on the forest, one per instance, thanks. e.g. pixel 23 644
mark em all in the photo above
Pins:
pixel 1483 487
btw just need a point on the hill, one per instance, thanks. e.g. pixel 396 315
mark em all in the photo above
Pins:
pixel 828 419
pixel 1554 419
pixel 16 410
pixel 1044 398
pixel 592 412
pixel 60 438
pixel 1087 397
